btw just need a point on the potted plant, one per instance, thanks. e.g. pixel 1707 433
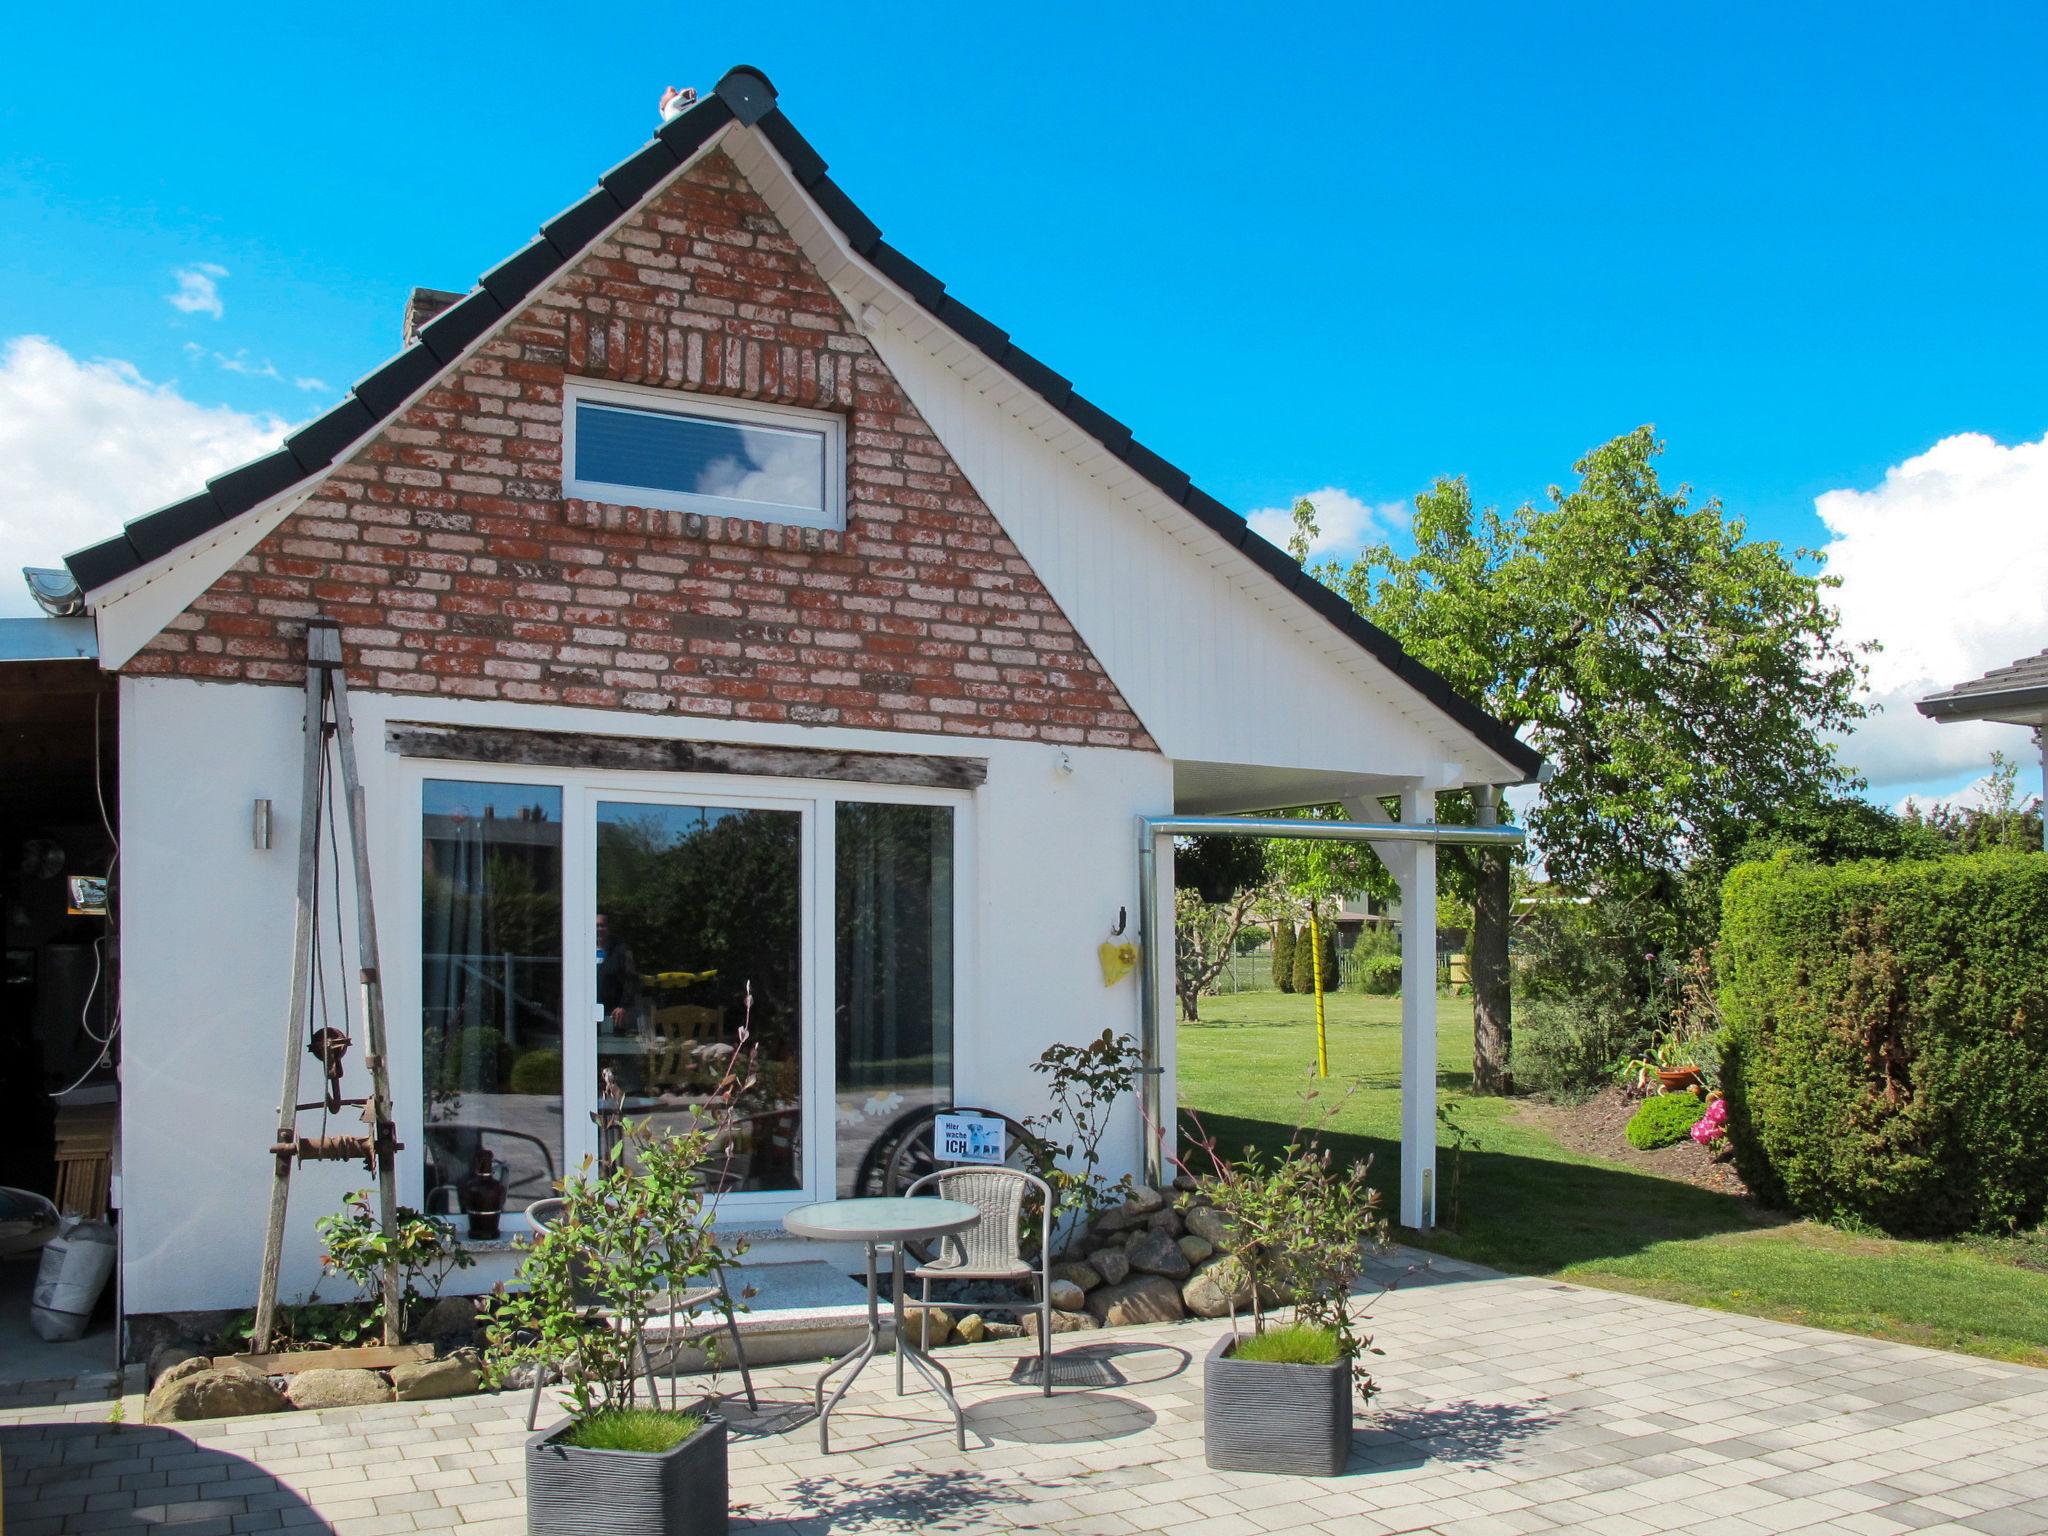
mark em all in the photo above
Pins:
pixel 1279 1398
pixel 630 1234
pixel 1672 1062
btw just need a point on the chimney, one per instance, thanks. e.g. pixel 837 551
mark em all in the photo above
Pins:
pixel 422 306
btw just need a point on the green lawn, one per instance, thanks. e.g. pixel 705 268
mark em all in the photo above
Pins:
pixel 1527 1204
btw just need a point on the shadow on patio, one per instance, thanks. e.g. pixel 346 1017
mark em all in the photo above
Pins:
pixel 117 1477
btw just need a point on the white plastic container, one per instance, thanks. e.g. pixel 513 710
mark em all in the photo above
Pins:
pixel 74 1270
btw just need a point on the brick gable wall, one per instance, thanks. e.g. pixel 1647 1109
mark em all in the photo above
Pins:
pixel 447 553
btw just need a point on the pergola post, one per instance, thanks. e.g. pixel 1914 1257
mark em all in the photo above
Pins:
pixel 1417 874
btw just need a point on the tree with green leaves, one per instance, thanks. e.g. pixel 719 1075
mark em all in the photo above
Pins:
pixel 1283 953
pixel 1682 679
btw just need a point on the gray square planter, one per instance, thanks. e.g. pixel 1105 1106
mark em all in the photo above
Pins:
pixel 573 1492
pixel 1259 1416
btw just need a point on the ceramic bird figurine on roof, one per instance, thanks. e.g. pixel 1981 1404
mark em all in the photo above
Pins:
pixel 675 103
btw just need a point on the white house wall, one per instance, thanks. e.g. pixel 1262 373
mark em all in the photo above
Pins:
pixel 207 938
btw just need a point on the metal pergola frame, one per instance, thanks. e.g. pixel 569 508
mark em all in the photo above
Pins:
pixel 1418 839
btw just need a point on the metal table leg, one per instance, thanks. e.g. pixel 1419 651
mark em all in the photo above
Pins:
pixel 857 1357
pixel 940 1378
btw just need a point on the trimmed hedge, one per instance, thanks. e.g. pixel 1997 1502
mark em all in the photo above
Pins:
pixel 1663 1120
pixel 1886 1052
pixel 1283 954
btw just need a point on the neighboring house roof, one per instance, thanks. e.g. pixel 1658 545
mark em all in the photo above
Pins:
pixel 2017 693
pixel 746 97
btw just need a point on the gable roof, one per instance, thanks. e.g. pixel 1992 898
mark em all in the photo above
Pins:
pixel 746 97
pixel 2017 692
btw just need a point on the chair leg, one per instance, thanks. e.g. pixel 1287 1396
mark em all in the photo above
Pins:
pixel 1045 1338
pixel 540 1381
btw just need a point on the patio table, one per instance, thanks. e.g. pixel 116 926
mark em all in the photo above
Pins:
pixel 877 1224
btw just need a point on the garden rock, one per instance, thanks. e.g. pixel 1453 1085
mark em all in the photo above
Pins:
pixel 1218 1288
pixel 927 1327
pixel 1154 1253
pixel 1069 1297
pixel 1062 1322
pixel 427 1379
pixel 1165 1221
pixel 1206 1222
pixel 191 1365
pixel 1003 1330
pixel 212 1394
pixel 1143 1200
pixel 338 1389
pixel 165 1356
pixel 1197 1248
pixel 1140 1299
pixel 1082 1275
pixel 1112 1264
pixel 971 1329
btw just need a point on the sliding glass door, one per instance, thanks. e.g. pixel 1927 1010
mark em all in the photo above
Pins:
pixel 595 944
pixel 699 969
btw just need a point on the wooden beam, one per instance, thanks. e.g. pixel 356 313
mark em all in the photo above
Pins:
pixel 370 1357
pixel 651 754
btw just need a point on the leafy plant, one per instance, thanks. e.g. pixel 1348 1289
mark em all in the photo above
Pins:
pixel 632 1233
pixel 1298 1226
pixel 1085 1081
pixel 1461 1138
pixel 647 1430
pixel 1376 975
pixel 1663 1120
pixel 424 1248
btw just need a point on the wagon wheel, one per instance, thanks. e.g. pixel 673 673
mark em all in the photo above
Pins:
pixel 911 1156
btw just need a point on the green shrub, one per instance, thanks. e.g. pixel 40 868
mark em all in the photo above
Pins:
pixel 647 1430
pixel 1376 975
pixel 1570 1046
pixel 1664 1120
pixel 1305 961
pixel 1332 966
pixel 1283 955
pixel 537 1072
pixel 1886 1050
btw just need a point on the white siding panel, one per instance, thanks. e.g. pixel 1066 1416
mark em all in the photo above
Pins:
pixel 1220 663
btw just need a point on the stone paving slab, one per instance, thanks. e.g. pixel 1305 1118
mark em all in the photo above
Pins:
pixel 1510 1405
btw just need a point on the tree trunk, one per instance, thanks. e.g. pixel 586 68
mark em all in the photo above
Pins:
pixel 1492 1010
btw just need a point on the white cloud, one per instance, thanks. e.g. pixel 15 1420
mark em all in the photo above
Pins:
pixel 240 362
pixel 198 290
pixel 1945 564
pixel 89 445
pixel 1344 523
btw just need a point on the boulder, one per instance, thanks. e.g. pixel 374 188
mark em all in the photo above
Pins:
pixel 1140 1299
pixel 1002 1330
pixel 329 1388
pixel 971 1329
pixel 1143 1200
pixel 926 1327
pixel 1112 1264
pixel 1069 1297
pixel 425 1379
pixel 1197 1248
pixel 1062 1322
pixel 1165 1221
pixel 191 1365
pixel 1081 1275
pixel 1205 1221
pixel 212 1394
pixel 1217 1289
pixel 1154 1253
pixel 165 1356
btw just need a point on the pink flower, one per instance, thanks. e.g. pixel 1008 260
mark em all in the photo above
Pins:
pixel 1713 1125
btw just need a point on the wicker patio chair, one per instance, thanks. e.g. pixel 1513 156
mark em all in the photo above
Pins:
pixel 544 1214
pixel 991 1249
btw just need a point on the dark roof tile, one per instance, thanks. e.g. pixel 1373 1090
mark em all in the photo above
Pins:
pixel 248 485
pixel 861 232
pixel 320 441
pixel 907 274
pixel 156 534
pixel 387 388
pixel 450 333
pixel 639 173
pixel 512 279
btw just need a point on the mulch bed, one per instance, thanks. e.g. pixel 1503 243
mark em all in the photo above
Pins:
pixel 1595 1129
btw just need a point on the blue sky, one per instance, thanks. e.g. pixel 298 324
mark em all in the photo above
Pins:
pixel 1343 247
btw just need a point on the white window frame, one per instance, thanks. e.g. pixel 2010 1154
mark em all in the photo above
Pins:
pixel 581 790
pixel 746 413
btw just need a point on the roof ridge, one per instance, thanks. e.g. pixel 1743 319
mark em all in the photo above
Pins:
pixel 743 95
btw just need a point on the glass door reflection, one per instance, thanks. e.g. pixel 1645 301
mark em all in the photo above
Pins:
pixel 699 953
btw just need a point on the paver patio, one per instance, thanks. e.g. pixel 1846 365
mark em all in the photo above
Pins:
pixel 1510 1405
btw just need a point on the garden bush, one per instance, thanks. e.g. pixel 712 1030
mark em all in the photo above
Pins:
pixel 473 1058
pixel 1886 1050
pixel 1283 954
pixel 537 1072
pixel 1376 975
pixel 1664 1120
pixel 1570 1046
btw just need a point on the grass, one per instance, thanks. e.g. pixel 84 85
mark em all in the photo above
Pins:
pixel 1515 1199
pixel 651 1430
pixel 1296 1344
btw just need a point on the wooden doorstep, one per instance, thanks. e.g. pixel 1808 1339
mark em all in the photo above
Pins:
pixel 369 1357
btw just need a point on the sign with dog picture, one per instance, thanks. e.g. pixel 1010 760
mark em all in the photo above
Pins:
pixel 967 1139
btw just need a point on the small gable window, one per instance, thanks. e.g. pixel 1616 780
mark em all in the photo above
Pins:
pixel 692 453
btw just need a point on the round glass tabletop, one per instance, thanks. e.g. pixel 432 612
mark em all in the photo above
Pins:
pixel 896 1219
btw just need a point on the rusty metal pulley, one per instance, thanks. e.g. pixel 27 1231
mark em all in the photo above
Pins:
pixel 328 1046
